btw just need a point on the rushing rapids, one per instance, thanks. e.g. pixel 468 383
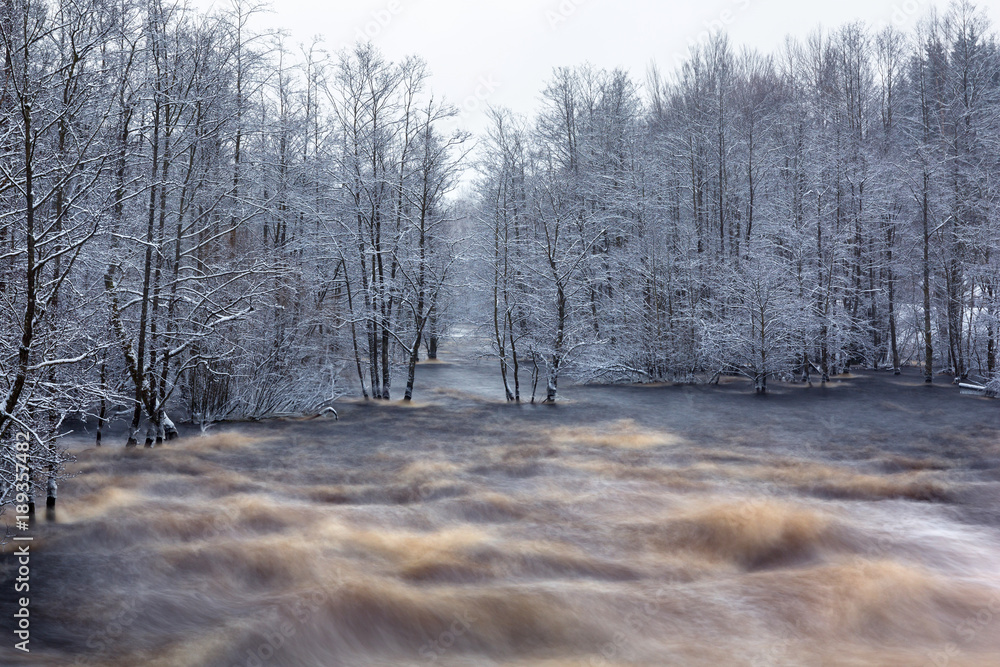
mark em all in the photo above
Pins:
pixel 851 524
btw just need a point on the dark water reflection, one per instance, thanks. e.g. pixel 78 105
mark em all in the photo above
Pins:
pixel 853 524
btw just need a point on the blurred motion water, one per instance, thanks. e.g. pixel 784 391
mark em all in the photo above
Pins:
pixel 851 524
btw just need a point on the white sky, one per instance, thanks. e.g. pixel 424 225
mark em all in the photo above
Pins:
pixel 501 52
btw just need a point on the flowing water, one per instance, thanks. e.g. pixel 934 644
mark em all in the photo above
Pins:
pixel 852 524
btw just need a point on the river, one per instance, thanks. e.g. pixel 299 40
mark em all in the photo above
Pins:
pixel 856 523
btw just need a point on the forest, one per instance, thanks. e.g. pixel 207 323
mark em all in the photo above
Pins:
pixel 203 222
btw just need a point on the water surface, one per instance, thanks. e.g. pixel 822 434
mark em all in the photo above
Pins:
pixel 851 524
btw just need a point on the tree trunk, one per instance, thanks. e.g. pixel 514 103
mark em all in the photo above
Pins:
pixel 928 346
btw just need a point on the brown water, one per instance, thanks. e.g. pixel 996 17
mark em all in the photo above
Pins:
pixel 855 524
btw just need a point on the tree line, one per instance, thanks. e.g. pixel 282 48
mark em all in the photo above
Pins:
pixel 791 215
pixel 201 220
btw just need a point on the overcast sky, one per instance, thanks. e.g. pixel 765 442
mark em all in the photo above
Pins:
pixel 502 52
